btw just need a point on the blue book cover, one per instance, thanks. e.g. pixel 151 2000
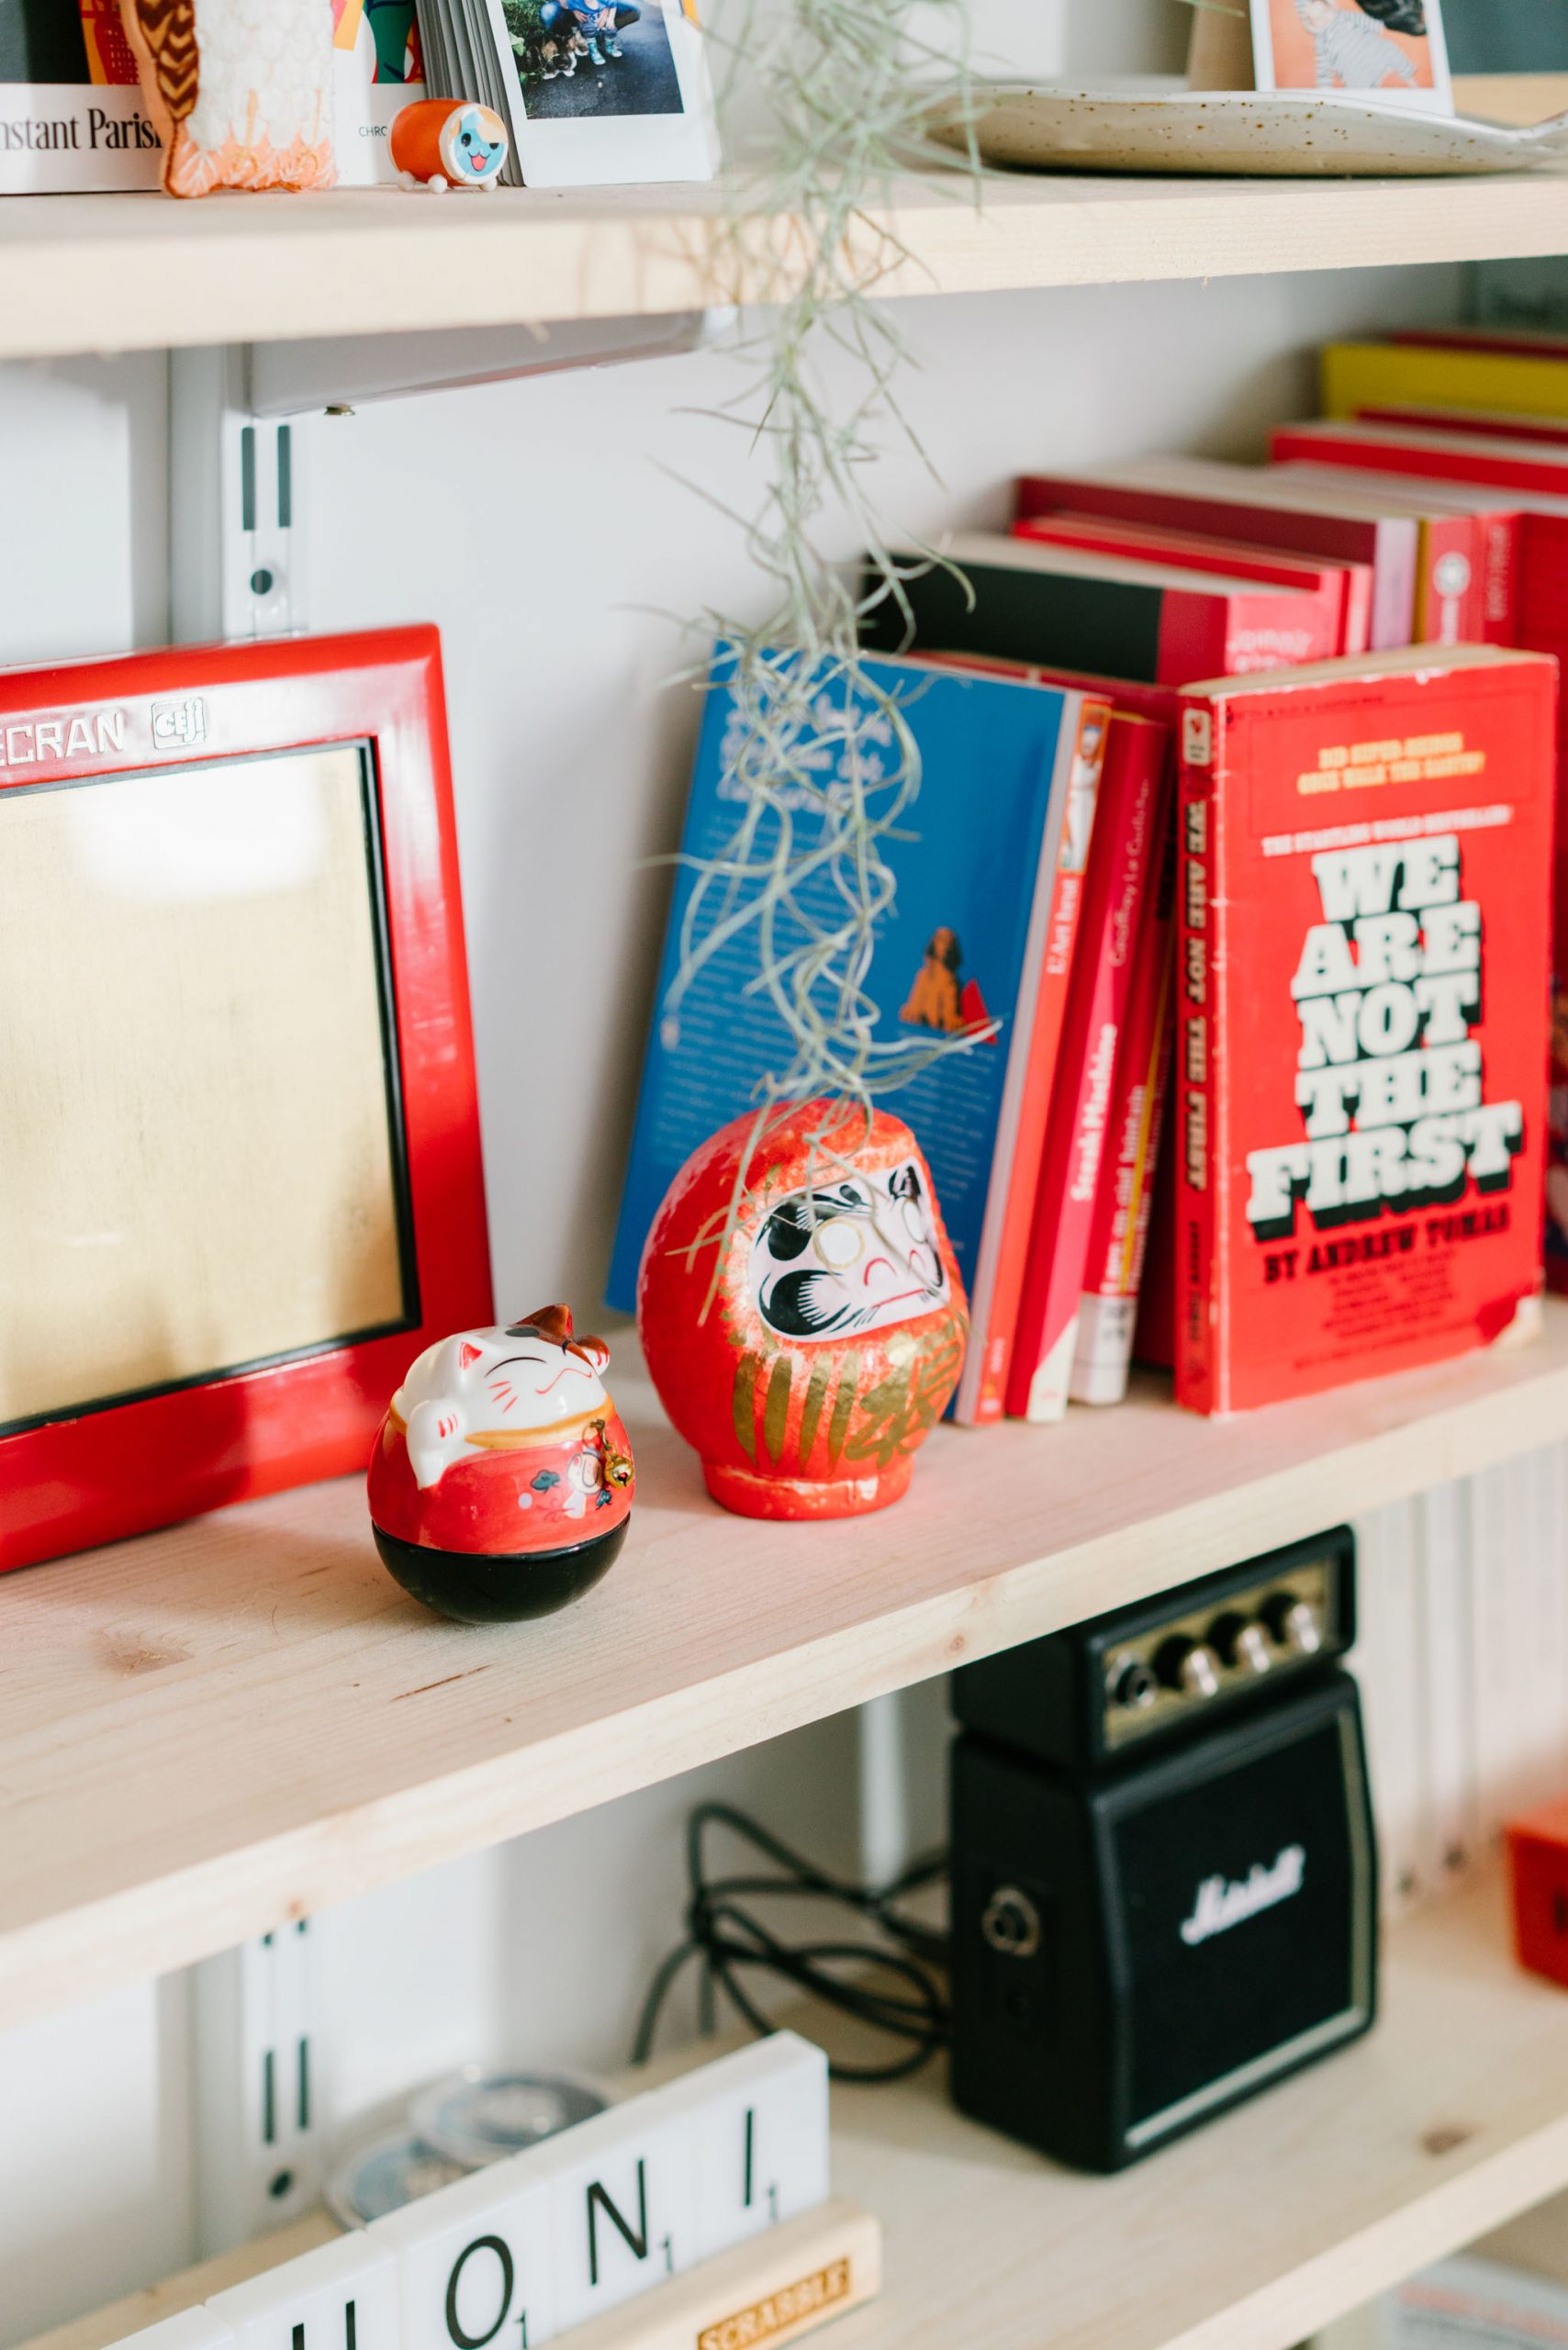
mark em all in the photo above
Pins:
pixel 966 861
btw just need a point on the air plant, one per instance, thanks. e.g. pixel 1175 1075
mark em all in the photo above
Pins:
pixel 823 765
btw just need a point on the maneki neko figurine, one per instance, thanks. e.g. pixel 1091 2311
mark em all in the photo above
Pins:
pixel 501 1482
pixel 803 1312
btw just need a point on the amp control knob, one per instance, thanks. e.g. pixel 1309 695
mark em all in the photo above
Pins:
pixel 1242 1642
pixel 1190 1666
pixel 1294 1623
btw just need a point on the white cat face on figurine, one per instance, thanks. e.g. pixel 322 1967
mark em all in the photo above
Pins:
pixel 466 1392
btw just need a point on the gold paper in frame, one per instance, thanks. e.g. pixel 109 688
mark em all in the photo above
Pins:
pixel 200 1149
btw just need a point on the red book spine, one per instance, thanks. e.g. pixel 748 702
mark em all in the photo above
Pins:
pixel 1118 1235
pixel 1122 873
pixel 1198 1153
pixel 994 1313
pixel 1476 605
pixel 1451 598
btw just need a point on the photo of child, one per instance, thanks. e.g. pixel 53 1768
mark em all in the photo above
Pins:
pixel 1389 49
pixel 583 58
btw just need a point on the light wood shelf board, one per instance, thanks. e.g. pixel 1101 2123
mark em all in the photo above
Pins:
pixel 1451 2119
pixel 120 273
pixel 206 1731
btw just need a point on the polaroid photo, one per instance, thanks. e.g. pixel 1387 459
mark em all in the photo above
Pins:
pixel 606 93
pixel 1390 52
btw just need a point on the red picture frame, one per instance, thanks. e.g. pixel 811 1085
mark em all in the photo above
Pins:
pixel 119 1465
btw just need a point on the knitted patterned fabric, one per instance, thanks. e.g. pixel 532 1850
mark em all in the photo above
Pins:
pixel 241 91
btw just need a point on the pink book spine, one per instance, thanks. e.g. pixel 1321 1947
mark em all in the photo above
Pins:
pixel 1123 872
pixel 1119 1235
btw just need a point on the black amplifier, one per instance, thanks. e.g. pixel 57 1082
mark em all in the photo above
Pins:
pixel 1158 1670
pixel 1140 1943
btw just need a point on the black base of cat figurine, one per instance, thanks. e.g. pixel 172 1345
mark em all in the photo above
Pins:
pixel 472 1587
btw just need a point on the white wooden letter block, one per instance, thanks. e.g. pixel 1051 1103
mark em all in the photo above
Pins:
pixel 192 2330
pixel 340 2297
pixel 762 2138
pixel 475 2265
pixel 623 2204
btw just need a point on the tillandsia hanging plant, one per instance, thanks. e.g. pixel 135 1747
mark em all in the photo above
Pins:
pixel 799 1300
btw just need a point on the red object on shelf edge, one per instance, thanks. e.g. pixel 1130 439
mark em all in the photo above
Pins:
pixel 1537 1867
pixel 123 1468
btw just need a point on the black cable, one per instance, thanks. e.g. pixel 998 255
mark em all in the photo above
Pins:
pixel 895 1985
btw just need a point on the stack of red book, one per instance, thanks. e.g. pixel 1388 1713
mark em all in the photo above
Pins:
pixel 1315 913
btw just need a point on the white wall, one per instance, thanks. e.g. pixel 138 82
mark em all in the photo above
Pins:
pixel 540 525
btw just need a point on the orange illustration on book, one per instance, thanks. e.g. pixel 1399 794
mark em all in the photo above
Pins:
pixel 240 91
pixel 937 999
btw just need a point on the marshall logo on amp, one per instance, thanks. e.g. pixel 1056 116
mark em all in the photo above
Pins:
pixel 1221 1904
pixel 1164 1877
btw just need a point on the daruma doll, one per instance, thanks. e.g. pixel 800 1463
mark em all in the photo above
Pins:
pixel 803 1313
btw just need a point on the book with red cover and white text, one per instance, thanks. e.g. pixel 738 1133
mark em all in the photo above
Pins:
pixel 1124 1205
pixel 1345 586
pixel 1363 960
pixel 1123 873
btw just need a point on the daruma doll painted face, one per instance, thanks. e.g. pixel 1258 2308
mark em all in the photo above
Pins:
pixel 501 1482
pixel 806 1346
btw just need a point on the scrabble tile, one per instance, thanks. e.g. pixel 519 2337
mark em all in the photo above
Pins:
pixel 623 2196
pixel 343 2296
pixel 761 2117
pixel 192 2330
pixel 475 2264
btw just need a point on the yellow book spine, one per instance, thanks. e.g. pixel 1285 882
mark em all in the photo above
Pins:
pixel 1359 375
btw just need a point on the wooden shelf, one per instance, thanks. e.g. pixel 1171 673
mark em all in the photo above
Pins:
pixel 120 273
pixel 1450 2120
pixel 207 1731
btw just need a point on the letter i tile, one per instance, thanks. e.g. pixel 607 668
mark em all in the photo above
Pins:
pixel 761 2117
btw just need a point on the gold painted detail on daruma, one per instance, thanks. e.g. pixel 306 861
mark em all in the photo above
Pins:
pixel 780 2313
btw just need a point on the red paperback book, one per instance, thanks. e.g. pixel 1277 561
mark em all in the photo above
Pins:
pixel 1360 1074
pixel 1124 871
pixel 1244 502
pixel 1345 588
pixel 993 1308
pixel 1119 1229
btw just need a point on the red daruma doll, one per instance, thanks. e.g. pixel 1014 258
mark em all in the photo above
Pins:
pixel 807 1340
pixel 501 1482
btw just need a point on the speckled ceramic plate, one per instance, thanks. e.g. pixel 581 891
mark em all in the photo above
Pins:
pixel 1285 134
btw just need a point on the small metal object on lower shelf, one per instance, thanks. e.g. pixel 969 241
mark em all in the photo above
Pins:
pixel 476 2117
pixel 384 2173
